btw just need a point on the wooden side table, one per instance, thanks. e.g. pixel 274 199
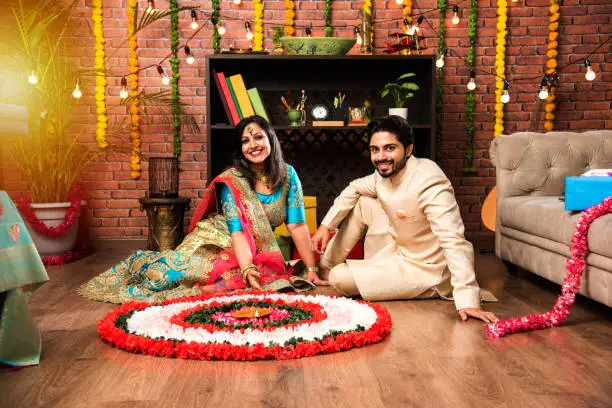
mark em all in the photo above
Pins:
pixel 166 216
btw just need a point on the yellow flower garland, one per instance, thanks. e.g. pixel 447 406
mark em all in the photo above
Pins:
pixel 500 64
pixel 133 81
pixel 289 18
pixel 258 29
pixel 407 13
pixel 367 10
pixel 551 64
pixel 102 122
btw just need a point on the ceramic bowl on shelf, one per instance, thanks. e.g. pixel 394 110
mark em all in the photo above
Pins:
pixel 317 45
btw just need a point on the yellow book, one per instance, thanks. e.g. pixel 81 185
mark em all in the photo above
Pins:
pixel 310 205
pixel 242 95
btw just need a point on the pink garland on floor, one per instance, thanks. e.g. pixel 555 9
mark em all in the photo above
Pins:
pixel 571 284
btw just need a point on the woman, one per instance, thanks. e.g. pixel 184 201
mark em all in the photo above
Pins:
pixel 229 251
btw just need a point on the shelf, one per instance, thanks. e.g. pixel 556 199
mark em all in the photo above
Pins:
pixel 302 128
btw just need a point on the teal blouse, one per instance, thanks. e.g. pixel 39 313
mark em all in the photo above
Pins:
pixel 294 206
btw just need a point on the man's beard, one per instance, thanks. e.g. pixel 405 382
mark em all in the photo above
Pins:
pixel 396 167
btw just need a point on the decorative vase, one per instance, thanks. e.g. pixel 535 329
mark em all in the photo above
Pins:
pixel 403 112
pixel 52 214
pixel 294 117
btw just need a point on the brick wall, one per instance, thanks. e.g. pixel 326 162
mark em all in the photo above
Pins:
pixel 582 105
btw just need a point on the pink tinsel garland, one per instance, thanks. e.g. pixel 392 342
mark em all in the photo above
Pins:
pixel 571 284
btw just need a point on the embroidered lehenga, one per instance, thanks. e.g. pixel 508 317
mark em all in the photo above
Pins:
pixel 204 262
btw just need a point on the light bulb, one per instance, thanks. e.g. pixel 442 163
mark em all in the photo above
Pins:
pixel 190 60
pixel 515 1
pixel 455 19
pixel 150 7
pixel 165 79
pixel 398 2
pixel 76 94
pixel 220 29
pixel 505 98
pixel 471 85
pixel 359 39
pixel 123 93
pixel 237 2
pixel 590 74
pixel 249 35
pixel 543 93
pixel 440 61
pixel 33 79
pixel 194 21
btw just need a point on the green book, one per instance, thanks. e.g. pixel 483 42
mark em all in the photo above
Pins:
pixel 231 89
pixel 256 101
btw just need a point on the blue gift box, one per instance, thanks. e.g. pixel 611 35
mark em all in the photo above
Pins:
pixel 584 192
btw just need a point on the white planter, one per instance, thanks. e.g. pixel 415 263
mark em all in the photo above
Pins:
pixel 403 112
pixel 52 215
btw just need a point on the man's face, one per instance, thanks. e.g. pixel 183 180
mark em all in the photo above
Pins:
pixel 387 153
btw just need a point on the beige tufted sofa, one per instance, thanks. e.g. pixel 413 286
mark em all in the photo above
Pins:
pixel 533 230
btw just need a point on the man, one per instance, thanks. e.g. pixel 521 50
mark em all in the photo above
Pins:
pixel 414 246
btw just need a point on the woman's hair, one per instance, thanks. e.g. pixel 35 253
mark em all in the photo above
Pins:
pixel 393 124
pixel 275 167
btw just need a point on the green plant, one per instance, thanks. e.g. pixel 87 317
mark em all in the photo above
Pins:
pixel 400 90
pixel 50 157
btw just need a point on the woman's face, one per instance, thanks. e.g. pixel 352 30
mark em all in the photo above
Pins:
pixel 255 144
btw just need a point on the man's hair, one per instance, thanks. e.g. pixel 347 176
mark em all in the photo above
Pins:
pixel 274 165
pixel 393 124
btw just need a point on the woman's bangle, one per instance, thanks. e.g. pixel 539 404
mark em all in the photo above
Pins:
pixel 244 271
pixel 314 269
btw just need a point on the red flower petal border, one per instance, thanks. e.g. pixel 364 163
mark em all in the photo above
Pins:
pixel 161 347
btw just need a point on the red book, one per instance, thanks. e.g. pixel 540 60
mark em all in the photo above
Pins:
pixel 226 97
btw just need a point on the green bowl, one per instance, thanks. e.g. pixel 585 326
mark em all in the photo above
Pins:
pixel 317 45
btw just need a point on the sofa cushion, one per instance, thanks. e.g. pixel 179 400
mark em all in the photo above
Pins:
pixel 546 217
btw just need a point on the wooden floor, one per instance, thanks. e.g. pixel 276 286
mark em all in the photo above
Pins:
pixel 431 358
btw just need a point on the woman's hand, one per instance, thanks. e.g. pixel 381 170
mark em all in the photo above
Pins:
pixel 314 278
pixel 252 277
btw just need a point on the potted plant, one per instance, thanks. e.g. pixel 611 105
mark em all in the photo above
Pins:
pixel 400 91
pixel 49 155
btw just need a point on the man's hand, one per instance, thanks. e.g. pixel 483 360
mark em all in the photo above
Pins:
pixel 319 241
pixel 486 317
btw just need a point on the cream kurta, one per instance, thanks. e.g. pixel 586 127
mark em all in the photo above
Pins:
pixel 421 243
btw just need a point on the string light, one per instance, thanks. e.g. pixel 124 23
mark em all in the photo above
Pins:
pixel 590 74
pixel 220 28
pixel 399 2
pixel 194 22
pixel 237 2
pixel 33 78
pixel 505 98
pixel 164 78
pixel 308 32
pixel 124 92
pixel 471 85
pixel 76 94
pixel 543 89
pixel 249 33
pixel 190 59
pixel 440 60
pixel 150 7
pixel 358 35
pixel 455 18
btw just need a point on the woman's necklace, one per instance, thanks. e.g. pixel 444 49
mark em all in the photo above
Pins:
pixel 262 177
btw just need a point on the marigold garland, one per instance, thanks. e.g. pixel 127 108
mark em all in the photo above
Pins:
pixel 407 14
pixel 471 101
pixel 216 39
pixel 168 330
pixel 289 18
pixel 576 265
pixel 133 82
pixel 440 84
pixel 552 62
pixel 174 64
pixel 258 32
pixel 328 20
pixel 102 122
pixel 500 64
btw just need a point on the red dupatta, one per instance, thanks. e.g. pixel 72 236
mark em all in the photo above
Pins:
pixel 255 225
